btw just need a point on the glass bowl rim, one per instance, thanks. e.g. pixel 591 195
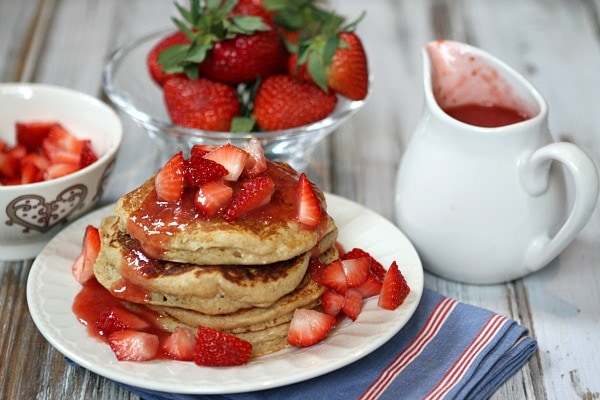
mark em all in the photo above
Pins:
pixel 344 109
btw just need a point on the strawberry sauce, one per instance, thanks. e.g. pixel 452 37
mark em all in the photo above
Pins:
pixel 155 221
pixel 93 300
pixel 486 116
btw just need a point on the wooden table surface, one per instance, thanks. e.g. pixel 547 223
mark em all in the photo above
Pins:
pixel 554 43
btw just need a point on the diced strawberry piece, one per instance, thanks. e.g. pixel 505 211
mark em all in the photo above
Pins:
pixel 9 165
pixel 131 345
pixel 118 319
pixel 309 208
pixel 376 267
pixel 57 170
pixel 212 197
pixel 169 182
pixel 394 289
pixel 32 134
pixel 40 162
pixel 65 157
pixel 87 155
pixel 232 158
pixel 30 174
pixel 83 267
pixel 331 302
pixel 199 170
pixel 356 270
pixel 180 344
pixel 253 194
pixel 257 163
pixel 59 139
pixel 371 287
pixel 332 276
pixel 216 348
pixel 352 303
pixel 309 327
pixel 202 149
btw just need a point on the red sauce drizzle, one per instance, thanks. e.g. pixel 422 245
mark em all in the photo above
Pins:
pixel 93 300
pixel 156 221
pixel 486 116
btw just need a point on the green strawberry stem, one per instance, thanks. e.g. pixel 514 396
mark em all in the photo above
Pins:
pixel 205 24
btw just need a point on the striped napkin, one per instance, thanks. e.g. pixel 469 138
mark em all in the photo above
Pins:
pixel 448 350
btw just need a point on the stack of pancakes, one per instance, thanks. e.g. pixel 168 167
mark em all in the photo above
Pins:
pixel 244 277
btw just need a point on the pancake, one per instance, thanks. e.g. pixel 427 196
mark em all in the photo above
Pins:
pixel 307 295
pixel 175 232
pixel 205 288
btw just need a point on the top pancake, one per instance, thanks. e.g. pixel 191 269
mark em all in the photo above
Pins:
pixel 175 232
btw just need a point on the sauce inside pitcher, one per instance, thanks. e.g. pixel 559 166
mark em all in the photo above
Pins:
pixel 486 116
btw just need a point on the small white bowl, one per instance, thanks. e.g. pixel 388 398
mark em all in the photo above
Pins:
pixel 128 84
pixel 33 213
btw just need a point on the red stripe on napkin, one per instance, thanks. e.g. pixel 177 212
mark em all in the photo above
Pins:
pixel 458 370
pixel 431 328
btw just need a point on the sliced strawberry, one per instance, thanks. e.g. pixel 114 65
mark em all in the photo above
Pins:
pixel 212 197
pixel 87 155
pixel 309 208
pixel 131 345
pixel 376 267
pixel 232 158
pixel 60 139
pixel 257 163
pixel 253 194
pixel 180 344
pixel 169 182
pixel 309 327
pixel 394 289
pixel 61 169
pixel 202 149
pixel 32 134
pixel 117 319
pixel 9 165
pixel 331 302
pixel 356 270
pixel 352 303
pixel 83 267
pixel 216 348
pixel 371 287
pixel 31 174
pixel 199 170
pixel 332 276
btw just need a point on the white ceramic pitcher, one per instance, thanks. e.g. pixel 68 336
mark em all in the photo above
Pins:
pixel 487 205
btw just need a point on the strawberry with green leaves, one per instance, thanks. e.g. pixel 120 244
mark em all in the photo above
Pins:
pixel 324 49
pixel 230 42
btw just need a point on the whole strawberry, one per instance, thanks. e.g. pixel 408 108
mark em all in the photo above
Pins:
pixel 230 42
pixel 348 73
pixel 283 102
pixel 200 103
pixel 246 57
pixel 323 48
pixel 154 67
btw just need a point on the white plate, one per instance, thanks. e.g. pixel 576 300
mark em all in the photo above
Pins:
pixel 51 290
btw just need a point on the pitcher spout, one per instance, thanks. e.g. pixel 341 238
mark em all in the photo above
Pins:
pixel 462 80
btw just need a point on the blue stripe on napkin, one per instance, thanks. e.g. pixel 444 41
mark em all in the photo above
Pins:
pixel 447 350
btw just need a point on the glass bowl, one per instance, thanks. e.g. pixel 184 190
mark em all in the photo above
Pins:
pixel 129 86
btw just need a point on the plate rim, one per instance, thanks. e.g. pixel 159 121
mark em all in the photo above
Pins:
pixel 36 308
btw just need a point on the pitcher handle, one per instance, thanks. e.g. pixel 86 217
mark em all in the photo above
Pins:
pixel 535 173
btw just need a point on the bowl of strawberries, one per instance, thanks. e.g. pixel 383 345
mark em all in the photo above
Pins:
pixel 240 69
pixel 57 151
